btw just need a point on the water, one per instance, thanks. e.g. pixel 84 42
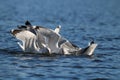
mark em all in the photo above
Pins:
pixel 81 21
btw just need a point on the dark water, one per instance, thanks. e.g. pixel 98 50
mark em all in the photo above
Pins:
pixel 81 21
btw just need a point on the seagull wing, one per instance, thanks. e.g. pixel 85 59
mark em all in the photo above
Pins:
pixel 28 39
pixel 57 29
pixel 40 39
pixel 67 46
pixel 51 38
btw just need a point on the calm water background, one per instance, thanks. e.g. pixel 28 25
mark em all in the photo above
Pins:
pixel 81 21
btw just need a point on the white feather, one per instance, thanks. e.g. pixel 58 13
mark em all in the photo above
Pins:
pixel 28 40
pixel 51 39
pixel 44 40
pixel 57 29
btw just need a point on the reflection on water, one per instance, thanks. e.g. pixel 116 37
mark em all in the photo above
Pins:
pixel 81 21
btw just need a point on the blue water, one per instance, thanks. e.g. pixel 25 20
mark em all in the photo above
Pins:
pixel 81 21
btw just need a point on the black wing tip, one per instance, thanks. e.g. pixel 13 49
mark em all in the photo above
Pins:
pixel 15 31
pixel 28 23
pixel 92 42
pixel 38 27
pixel 59 26
pixel 21 27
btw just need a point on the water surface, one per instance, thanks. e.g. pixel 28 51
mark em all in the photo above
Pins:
pixel 81 21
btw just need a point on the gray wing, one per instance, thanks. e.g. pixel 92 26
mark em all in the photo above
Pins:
pixel 51 38
pixel 67 46
pixel 40 39
pixel 28 40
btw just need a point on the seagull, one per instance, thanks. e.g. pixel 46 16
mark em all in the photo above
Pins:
pixel 39 39
pixel 43 37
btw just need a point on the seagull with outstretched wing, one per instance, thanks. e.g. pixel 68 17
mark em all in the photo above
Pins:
pixel 38 39
pixel 29 41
